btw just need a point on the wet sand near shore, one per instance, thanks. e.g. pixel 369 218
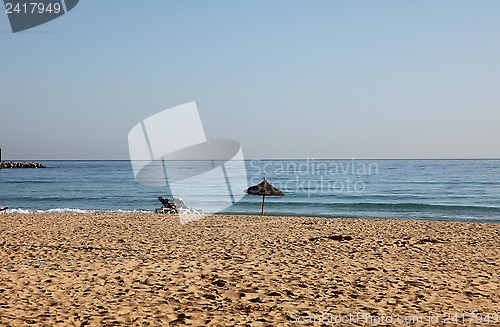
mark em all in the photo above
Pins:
pixel 113 269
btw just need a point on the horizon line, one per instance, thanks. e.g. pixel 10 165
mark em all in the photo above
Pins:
pixel 270 159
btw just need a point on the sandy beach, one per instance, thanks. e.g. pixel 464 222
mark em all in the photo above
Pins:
pixel 106 269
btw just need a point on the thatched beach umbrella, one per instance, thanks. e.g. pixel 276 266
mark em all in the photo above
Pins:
pixel 264 188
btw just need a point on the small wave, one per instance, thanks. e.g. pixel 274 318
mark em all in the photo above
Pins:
pixel 419 207
pixel 399 206
pixel 69 210
pixel 54 210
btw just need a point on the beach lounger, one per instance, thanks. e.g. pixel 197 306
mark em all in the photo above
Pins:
pixel 183 208
pixel 167 206
pixel 3 209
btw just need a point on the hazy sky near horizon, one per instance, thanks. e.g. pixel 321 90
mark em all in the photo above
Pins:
pixel 286 79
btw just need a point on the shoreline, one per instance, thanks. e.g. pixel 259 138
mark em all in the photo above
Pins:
pixel 222 270
pixel 20 211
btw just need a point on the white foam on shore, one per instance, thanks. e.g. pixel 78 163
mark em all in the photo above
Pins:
pixel 17 211
pixel 69 210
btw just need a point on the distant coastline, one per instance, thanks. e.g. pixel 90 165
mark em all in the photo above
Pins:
pixel 20 164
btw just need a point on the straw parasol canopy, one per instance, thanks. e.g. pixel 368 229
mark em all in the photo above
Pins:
pixel 264 188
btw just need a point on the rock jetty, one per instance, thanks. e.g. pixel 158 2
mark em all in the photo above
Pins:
pixel 18 164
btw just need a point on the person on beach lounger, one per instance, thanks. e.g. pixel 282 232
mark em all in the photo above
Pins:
pixel 167 206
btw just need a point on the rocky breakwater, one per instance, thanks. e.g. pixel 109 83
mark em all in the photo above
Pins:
pixel 18 164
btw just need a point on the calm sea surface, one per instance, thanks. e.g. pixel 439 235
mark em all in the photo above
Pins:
pixel 458 190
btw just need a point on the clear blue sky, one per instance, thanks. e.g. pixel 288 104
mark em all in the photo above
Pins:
pixel 328 79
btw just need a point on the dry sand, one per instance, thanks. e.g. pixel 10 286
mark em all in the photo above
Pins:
pixel 144 269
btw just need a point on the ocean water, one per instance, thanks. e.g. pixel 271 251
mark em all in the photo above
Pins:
pixel 454 190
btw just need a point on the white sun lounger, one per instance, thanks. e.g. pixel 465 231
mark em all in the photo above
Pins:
pixel 183 208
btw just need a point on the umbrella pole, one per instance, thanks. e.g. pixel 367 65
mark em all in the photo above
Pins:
pixel 263 197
